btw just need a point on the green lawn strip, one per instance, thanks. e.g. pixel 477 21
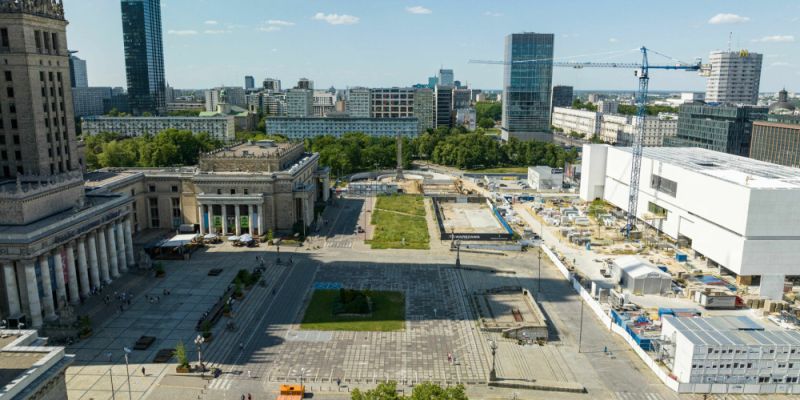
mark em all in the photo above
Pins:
pixel 392 230
pixel 413 205
pixel 389 313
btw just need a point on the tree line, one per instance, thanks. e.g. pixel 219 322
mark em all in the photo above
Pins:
pixel 169 148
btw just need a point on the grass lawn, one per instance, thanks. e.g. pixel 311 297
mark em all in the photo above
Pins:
pixel 397 218
pixel 501 170
pixel 389 314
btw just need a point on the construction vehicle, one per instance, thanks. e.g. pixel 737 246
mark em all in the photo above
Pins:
pixel 292 392
pixel 642 72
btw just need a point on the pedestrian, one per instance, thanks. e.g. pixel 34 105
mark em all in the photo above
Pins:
pixel 241 346
pixel 605 349
pixel 450 358
pixel 249 397
pixel 249 375
pixel 243 397
pixel 143 374
pixel 338 382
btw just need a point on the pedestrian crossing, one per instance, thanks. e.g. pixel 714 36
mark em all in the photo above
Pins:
pixel 221 383
pixel 339 244
pixel 638 396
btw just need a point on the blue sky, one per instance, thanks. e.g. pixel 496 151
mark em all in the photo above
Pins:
pixel 398 43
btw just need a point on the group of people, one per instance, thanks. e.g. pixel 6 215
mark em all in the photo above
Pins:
pixel 123 299
pixel 157 299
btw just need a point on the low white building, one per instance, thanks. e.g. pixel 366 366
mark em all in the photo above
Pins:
pixel 730 355
pixel 218 127
pixel 580 121
pixel 614 127
pixel 545 178
pixel 640 277
pixel 619 129
pixel 741 214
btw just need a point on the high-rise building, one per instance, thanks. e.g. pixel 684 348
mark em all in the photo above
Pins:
pixel 90 100
pixel 234 96
pixel 562 96
pixel 299 102
pixel 273 85
pixel 462 98
pixel 527 86
pixel 443 115
pixel 727 129
pixel 446 77
pixel 37 136
pixel 305 83
pixel 392 102
pixel 249 83
pixel 608 106
pixel 432 82
pixel 358 102
pixel 777 140
pixel 144 55
pixel 424 108
pixel 77 72
pixel 735 77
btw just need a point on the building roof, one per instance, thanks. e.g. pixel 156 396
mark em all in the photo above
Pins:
pixel 734 169
pixel 731 331
pixel 636 267
pixel 262 148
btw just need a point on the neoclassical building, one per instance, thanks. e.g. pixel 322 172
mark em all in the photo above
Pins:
pixel 244 188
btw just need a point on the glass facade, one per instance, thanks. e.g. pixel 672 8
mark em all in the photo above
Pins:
pixel 777 141
pixel 726 129
pixel 527 86
pixel 144 56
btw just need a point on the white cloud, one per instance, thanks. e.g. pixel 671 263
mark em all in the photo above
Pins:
pixel 418 10
pixel 215 31
pixel 280 22
pixel 336 19
pixel 780 64
pixel 724 18
pixel 184 32
pixel 776 39
pixel 211 22
pixel 493 14
pixel 269 28
pixel 613 40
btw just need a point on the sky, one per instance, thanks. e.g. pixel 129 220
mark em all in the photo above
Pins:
pixel 379 43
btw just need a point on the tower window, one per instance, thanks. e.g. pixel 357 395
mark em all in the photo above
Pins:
pixel 8 76
pixel 4 37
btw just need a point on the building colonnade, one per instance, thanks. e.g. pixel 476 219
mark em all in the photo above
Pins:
pixel 41 287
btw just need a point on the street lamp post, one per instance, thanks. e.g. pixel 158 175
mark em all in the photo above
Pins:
pixel 580 330
pixel 458 254
pixel 539 278
pixel 198 341
pixel 127 371
pixel 278 249
pixel 111 375
pixel 493 347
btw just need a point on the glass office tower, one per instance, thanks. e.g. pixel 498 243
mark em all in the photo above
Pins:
pixel 527 86
pixel 144 56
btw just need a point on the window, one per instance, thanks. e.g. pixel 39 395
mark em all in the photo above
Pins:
pixel 154 220
pixel 8 76
pixel 219 191
pixel 174 189
pixel 4 39
pixel 18 155
pixel 41 76
pixel 38 36
pixel 247 191
pixel 55 45
pixel 664 185
pixel 233 191
pixel 176 207
pixel 152 188
pixel 15 138
pixel 14 124
pixel 10 92
pixel 12 108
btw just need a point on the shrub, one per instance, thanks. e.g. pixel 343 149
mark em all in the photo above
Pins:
pixel 180 354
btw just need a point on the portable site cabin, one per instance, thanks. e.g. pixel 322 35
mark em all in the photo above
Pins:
pixel 640 277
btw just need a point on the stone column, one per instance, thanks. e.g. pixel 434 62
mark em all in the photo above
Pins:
pixel 72 276
pixel 119 231
pixel 201 220
pixel 12 292
pixel 111 240
pixel 237 211
pixel 250 224
pixel 102 256
pixel 61 285
pixel 224 220
pixel 260 218
pixel 34 305
pixel 47 289
pixel 83 268
pixel 211 227
pixel 94 268
pixel 129 243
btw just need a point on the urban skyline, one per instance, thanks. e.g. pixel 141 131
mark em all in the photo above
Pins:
pixel 474 33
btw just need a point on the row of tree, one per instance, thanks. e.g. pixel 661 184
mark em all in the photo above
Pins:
pixel 168 148
pixel 422 391
pixel 357 152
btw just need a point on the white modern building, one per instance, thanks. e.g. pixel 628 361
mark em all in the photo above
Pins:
pixel 614 127
pixel 218 127
pixel 730 354
pixel 233 95
pixel 300 102
pixel 358 102
pixel 395 102
pixel 301 128
pixel 545 178
pixel 735 77
pixel 738 213
pixel 580 121
pixel 324 103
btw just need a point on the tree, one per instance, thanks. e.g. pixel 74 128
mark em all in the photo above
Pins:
pixel 486 123
pixel 579 105
pixel 489 109
pixel 430 391
pixel 650 109
pixel 384 391
pixel 180 354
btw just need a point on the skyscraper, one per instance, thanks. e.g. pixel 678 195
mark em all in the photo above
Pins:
pixel 144 55
pixel 527 86
pixel 249 83
pixel 424 108
pixel 77 72
pixel 273 85
pixel 358 102
pixel 724 128
pixel 305 83
pixel 562 96
pixel 443 97
pixel 37 134
pixel 735 77
pixel 446 77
